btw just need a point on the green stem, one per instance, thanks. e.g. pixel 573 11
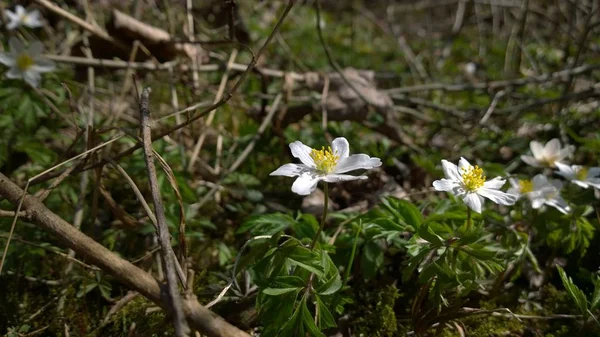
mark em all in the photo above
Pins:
pixel 348 269
pixel 468 218
pixel 326 206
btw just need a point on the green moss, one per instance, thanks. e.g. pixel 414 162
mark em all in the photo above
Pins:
pixel 379 320
pixel 152 324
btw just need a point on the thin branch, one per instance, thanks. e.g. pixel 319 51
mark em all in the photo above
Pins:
pixel 174 297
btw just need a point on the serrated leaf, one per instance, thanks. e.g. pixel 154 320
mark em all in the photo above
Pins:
pixel 576 294
pixel 325 318
pixel 266 224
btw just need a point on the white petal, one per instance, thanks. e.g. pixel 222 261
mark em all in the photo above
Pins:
pixel 595 182
pixel 567 151
pixel 514 191
pixel 290 170
pixel 473 201
pixel 7 59
pixel 565 170
pixel 552 147
pixel 497 196
pixel 356 162
pixel 13 73
pixel 19 10
pixel 10 14
pixel 495 183
pixel 302 152
pixel 340 147
pixel 43 65
pixel 580 183
pixel 539 181
pixel 35 49
pixel 14 23
pixel 593 172
pixel 537 203
pixel 463 164
pixel 450 170
pixel 560 204
pixel 335 178
pixel 537 149
pixel 529 160
pixel 32 77
pixel 16 46
pixel 557 184
pixel 447 185
pixel 305 184
pixel 32 19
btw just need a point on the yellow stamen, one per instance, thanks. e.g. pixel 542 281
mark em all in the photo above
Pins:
pixel 582 173
pixel 325 159
pixel 24 62
pixel 473 178
pixel 525 186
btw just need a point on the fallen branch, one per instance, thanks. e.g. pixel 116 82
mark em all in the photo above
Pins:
pixel 37 213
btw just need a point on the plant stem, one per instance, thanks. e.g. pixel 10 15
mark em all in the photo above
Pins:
pixel 325 208
pixel 348 269
pixel 468 218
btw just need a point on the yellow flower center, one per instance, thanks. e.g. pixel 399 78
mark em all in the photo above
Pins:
pixel 525 186
pixel 582 173
pixel 473 178
pixel 550 160
pixel 24 62
pixel 325 159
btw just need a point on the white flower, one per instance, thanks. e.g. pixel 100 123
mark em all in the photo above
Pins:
pixel 469 183
pixel 540 191
pixel 21 17
pixel 580 175
pixel 26 63
pixel 325 164
pixel 549 155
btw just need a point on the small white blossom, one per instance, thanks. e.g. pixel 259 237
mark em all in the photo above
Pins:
pixel 326 164
pixel 540 191
pixel 469 183
pixel 580 175
pixel 548 155
pixel 21 17
pixel 26 63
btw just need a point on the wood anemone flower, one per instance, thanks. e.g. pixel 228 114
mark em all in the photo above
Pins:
pixel 469 183
pixel 328 164
pixel 20 17
pixel 547 155
pixel 580 175
pixel 540 191
pixel 26 63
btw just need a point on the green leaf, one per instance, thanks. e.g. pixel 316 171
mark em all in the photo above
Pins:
pixel 266 224
pixel 307 259
pixel 294 327
pixel 331 286
pixel 372 259
pixel 309 322
pixel 595 302
pixel 426 232
pixel 576 294
pixel 279 291
pixel 404 210
pixel 306 226
pixel 325 319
